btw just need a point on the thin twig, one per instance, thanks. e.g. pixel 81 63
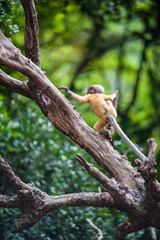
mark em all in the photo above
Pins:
pixel 100 234
pixel 153 233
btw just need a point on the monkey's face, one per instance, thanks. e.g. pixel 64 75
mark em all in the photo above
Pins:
pixel 91 90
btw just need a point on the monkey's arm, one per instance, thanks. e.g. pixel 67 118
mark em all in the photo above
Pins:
pixel 110 97
pixel 78 98
pixel 124 136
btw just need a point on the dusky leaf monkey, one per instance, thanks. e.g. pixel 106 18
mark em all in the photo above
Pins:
pixel 102 106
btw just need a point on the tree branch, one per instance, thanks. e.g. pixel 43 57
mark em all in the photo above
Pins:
pixel 125 228
pixel 100 234
pixel 15 85
pixel 81 199
pixel 94 172
pixel 8 202
pixel 148 170
pixel 34 203
pixel 7 171
pixel 31 31
pixel 114 188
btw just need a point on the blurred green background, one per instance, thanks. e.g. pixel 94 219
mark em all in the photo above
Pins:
pixel 114 43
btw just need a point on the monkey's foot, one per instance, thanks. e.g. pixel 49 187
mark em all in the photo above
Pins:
pixel 107 134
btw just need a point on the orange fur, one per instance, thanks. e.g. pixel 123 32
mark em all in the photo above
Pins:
pixel 97 102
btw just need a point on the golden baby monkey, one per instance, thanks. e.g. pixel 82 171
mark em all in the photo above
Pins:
pixel 99 103
pixel 102 106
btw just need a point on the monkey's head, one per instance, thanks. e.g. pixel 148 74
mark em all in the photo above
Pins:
pixel 97 88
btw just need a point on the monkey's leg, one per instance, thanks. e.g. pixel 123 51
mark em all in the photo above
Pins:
pixel 100 127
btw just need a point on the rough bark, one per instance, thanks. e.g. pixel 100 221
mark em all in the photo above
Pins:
pixel 31 31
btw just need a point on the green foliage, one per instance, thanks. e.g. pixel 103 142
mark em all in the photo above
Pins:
pixel 10 10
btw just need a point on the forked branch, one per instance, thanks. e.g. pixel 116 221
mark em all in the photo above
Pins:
pixel 34 203
pixel 14 85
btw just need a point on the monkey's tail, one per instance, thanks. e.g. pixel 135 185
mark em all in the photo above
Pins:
pixel 124 136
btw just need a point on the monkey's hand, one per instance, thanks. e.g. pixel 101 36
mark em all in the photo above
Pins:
pixel 66 89
pixel 115 94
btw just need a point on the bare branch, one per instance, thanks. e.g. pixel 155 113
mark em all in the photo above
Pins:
pixel 151 143
pixel 100 234
pixel 147 169
pixel 14 85
pixel 94 172
pixel 124 229
pixel 34 203
pixel 6 170
pixel 8 202
pixel 31 32
pixel 81 199
pixel 114 188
